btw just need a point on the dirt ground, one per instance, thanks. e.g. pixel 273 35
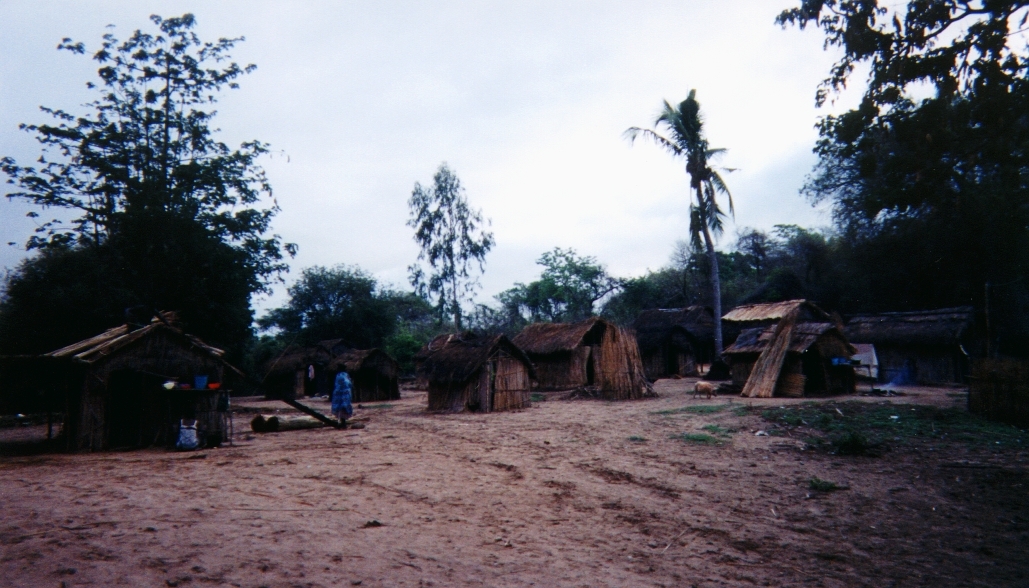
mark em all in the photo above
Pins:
pixel 568 493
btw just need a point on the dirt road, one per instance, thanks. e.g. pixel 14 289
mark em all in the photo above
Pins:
pixel 661 492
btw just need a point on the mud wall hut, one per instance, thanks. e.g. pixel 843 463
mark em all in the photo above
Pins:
pixel 115 394
pixel 923 347
pixel 373 373
pixel 478 374
pixel 814 360
pixel 592 352
pixel 673 341
pixel 752 316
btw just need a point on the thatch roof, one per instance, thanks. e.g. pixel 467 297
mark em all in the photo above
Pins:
pixel 804 335
pixel 110 341
pixel 654 327
pixel 775 311
pixel 353 360
pixel 458 357
pixel 945 326
pixel 546 338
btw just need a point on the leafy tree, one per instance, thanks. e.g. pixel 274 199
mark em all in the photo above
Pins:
pixel 452 241
pixel 929 194
pixel 567 291
pixel 171 214
pixel 685 139
pixel 339 302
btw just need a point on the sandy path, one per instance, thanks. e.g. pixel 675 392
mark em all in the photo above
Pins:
pixel 563 494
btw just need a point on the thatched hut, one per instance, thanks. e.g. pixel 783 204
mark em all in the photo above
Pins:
pixel 792 360
pixel 753 316
pixel 673 341
pixel 479 374
pixel 300 370
pixel 592 352
pixel 372 371
pixel 311 371
pixel 114 385
pixel 924 347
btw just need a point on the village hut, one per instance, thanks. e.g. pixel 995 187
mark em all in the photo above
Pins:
pixel 790 359
pixel 372 371
pixel 311 371
pixel 674 341
pixel 478 374
pixel 302 370
pixel 923 347
pixel 592 352
pixel 752 316
pixel 131 386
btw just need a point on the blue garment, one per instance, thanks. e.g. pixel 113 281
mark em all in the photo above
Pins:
pixel 341 396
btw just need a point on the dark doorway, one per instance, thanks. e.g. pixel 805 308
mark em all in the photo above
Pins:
pixel 591 375
pixel 133 413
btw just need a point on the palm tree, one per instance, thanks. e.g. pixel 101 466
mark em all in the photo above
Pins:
pixel 685 138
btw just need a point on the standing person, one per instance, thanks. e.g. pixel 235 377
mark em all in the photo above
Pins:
pixel 341 407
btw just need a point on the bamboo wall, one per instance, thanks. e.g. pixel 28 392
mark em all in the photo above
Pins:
pixel 618 366
pixel 563 370
pixel 999 390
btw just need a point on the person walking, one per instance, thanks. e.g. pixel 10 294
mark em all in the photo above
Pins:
pixel 341 394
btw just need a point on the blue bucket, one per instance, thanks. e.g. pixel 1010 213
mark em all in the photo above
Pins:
pixel 199 382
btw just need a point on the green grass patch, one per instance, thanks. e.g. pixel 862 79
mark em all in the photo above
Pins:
pixel 819 485
pixel 718 430
pixel 537 397
pixel 696 409
pixel 742 411
pixel 637 439
pixel 385 405
pixel 698 438
pixel 857 428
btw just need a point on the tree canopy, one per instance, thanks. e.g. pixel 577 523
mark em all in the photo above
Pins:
pixel 929 194
pixel 568 289
pixel 452 240
pixel 172 215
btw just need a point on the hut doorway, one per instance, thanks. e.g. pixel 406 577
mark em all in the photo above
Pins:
pixel 131 414
pixel 591 370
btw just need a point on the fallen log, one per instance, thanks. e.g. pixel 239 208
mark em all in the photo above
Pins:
pixel 273 423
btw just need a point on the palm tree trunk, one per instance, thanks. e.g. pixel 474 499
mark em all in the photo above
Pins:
pixel 716 288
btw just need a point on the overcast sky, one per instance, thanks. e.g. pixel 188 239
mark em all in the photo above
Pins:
pixel 526 101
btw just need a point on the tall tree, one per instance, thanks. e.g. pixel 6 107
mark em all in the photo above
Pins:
pixel 452 241
pixel 685 138
pixel 172 214
pixel 927 189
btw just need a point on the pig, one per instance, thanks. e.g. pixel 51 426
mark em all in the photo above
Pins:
pixel 703 387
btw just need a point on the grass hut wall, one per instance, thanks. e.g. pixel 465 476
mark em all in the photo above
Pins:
pixel 115 387
pixel 373 373
pixel 592 352
pixel 752 316
pixel 673 341
pixel 815 361
pixel 479 374
pixel 924 347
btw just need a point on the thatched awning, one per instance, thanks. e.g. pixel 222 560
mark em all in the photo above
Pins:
pixel 804 335
pixel 457 360
pixel 655 327
pixel 945 326
pixel 546 338
pixel 776 311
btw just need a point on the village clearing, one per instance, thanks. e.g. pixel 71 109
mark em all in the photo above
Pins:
pixel 671 491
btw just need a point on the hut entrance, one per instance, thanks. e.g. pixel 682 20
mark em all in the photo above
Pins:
pixel 132 417
pixel 591 370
